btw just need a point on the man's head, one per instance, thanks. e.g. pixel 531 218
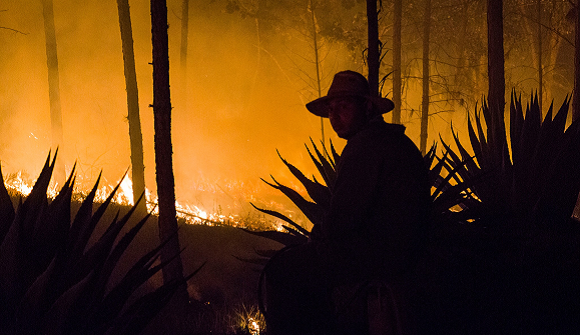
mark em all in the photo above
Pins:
pixel 349 104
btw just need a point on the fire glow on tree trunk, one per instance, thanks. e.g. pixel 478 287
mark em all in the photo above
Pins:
pixel 167 220
pixel 495 69
pixel 135 135
pixel 316 60
pixel 426 75
pixel 53 84
pixel 576 97
pixel 373 47
pixel 540 69
pixel 184 35
pixel 397 82
pixel 183 54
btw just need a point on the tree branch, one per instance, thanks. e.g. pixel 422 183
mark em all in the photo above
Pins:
pixel 14 30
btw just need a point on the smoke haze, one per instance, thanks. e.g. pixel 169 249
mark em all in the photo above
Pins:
pixel 243 98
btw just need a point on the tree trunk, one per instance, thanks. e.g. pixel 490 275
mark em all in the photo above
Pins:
pixel 495 68
pixel 425 100
pixel 53 85
pixel 576 97
pixel 397 82
pixel 373 46
pixel 184 36
pixel 316 60
pixel 163 155
pixel 183 54
pixel 135 136
pixel 460 52
pixel 540 69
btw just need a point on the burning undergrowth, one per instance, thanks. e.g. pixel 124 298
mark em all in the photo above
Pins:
pixel 213 205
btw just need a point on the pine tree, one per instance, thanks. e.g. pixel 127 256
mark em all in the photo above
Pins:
pixel 135 136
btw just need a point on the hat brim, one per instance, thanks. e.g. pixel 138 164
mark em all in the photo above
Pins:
pixel 319 107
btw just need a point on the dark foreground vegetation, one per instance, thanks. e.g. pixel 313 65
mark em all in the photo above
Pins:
pixel 71 266
pixel 503 254
pixel 53 281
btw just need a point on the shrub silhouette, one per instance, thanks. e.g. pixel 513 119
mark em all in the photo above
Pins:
pixel 53 281
pixel 503 253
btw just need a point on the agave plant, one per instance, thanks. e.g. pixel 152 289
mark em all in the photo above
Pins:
pixel 522 262
pixel 530 177
pixel 320 193
pixel 503 251
pixel 53 281
pixel 527 177
pixel 449 192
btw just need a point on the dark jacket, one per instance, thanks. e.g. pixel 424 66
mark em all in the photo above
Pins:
pixel 379 208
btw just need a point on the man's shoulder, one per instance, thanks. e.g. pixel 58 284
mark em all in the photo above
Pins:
pixel 384 139
pixel 381 131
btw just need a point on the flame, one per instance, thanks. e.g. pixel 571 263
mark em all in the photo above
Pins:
pixel 253 327
pixel 20 183
pixel 17 184
pixel 126 189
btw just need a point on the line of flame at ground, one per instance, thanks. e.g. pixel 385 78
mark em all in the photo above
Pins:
pixel 19 183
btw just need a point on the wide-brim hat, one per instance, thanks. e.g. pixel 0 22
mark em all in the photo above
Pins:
pixel 346 84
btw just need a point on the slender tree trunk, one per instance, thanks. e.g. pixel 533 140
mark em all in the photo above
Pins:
pixel 53 85
pixel 540 69
pixel 163 153
pixel 397 81
pixel 316 60
pixel 135 136
pixel 184 36
pixel 496 72
pixel 426 74
pixel 373 46
pixel 461 57
pixel 183 54
pixel 576 97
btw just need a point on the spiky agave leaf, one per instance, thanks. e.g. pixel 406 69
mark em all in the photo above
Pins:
pixel 516 124
pixel 69 294
pixel 57 320
pixel 482 142
pixel 119 249
pixel 97 257
pixel 313 211
pixel 87 228
pixel 136 316
pixel 18 266
pixel 466 157
pixel 324 165
pixel 319 193
pixel 6 209
pixel 456 164
pixel 50 232
pixel 289 237
pixel 114 301
pixel 429 157
pixel 48 238
pixel 284 218
pixel 335 154
pixel 519 183
pixel 82 217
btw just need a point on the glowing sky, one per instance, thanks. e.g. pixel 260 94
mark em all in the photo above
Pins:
pixel 243 99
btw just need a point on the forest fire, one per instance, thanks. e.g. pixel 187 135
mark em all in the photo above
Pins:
pixel 202 134
pixel 20 184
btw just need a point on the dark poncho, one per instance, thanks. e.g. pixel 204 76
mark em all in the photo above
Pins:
pixel 379 208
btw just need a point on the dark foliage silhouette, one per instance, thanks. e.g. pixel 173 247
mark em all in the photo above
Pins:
pixel 53 281
pixel 503 251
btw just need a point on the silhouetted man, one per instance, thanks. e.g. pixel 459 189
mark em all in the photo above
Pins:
pixel 377 219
